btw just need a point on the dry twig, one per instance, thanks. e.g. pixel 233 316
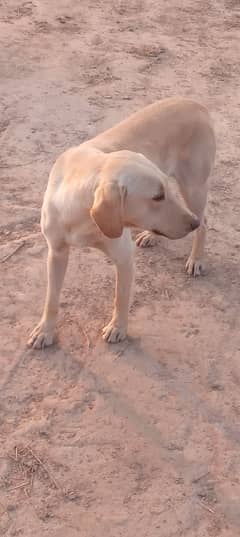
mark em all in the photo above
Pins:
pixel 21 485
pixel 41 463
pixel 86 337
pixel 207 508
pixel 13 252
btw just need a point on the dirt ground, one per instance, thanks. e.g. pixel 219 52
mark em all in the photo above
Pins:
pixel 142 438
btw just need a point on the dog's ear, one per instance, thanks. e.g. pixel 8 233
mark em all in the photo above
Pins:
pixel 107 209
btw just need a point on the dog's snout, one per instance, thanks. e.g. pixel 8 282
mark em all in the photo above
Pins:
pixel 195 223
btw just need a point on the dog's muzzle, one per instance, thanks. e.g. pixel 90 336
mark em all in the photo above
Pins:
pixel 156 232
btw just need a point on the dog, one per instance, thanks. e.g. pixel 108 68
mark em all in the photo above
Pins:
pixel 99 190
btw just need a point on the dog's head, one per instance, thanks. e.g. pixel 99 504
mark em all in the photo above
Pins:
pixel 133 192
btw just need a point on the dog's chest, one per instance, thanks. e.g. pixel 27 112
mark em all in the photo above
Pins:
pixel 86 234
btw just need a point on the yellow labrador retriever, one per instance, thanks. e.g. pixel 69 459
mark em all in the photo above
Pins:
pixel 98 191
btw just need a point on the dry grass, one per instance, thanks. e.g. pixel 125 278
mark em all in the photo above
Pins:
pixel 29 465
pixel 148 51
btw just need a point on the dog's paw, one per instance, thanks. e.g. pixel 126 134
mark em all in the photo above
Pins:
pixel 195 267
pixel 41 337
pixel 146 239
pixel 114 333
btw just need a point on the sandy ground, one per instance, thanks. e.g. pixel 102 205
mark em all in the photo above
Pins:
pixel 141 438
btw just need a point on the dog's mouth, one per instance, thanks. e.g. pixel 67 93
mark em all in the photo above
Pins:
pixel 156 232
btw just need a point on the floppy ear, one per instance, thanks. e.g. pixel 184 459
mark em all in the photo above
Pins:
pixel 107 209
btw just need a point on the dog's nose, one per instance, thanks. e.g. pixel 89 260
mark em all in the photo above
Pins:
pixel 195 223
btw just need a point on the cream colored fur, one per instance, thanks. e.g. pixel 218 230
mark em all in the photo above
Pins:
pixel 117 181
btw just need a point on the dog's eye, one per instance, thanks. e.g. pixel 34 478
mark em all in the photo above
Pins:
pixel 159 197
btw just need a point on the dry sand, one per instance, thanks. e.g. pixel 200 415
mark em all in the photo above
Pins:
pixel 140 439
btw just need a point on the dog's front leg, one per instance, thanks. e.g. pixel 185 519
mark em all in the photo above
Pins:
pixel 196 201
pixel 195 265
pixel 43 334
pixel 121 252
